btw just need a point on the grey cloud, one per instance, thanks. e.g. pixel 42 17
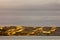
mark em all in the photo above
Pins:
pixel 29 12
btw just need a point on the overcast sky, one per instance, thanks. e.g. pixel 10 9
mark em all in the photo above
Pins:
pixel 30 12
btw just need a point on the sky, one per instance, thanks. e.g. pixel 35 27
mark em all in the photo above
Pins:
pixel 30 12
